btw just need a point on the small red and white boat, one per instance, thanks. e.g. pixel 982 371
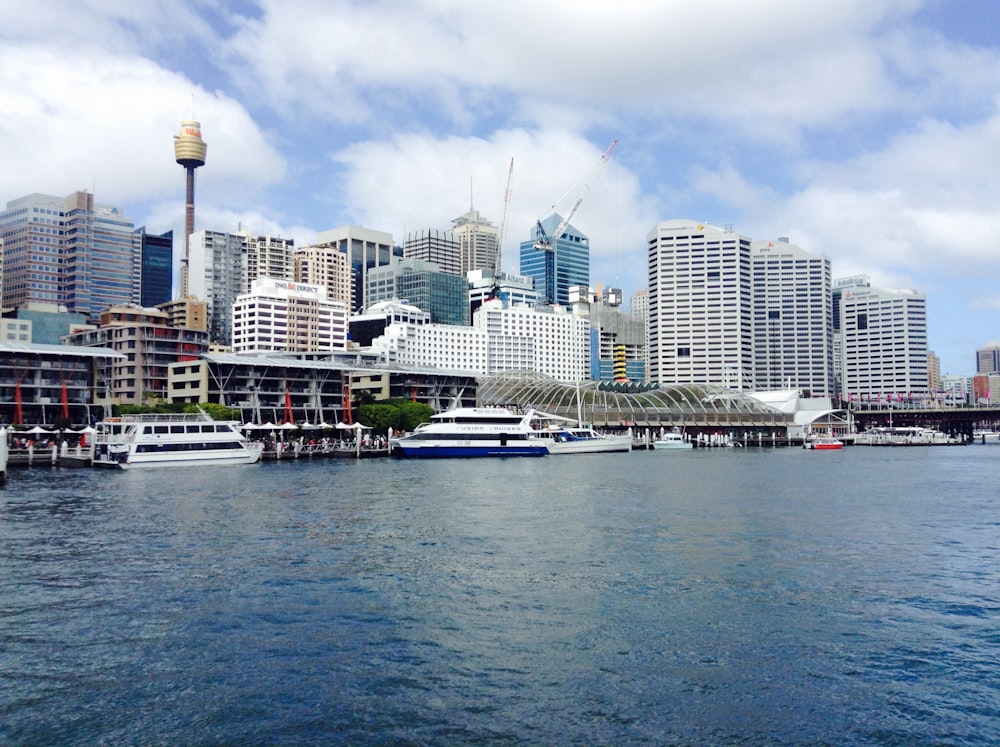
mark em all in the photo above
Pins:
pixel 821 443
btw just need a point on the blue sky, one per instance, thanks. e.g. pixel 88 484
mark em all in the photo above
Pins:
pixel 866 130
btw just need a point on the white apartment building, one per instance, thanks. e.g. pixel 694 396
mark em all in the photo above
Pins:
pixel 792 318
pixel 432 245
pixel 700 305
pixel 548 340
pixel 282 316
pixel 884 343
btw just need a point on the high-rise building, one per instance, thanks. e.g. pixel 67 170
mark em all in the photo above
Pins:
pixel 884 345
pixel 478 241
pixel 326 265
pixel 565 263
pixel 365 249
pixel 269 257
pixel 618 341
pixel 422 284
pixel 792 318
pixel 218 273
pixel 67 251
pixel 933 372
pixel 837 294
pixel 432 245
pixel 700 305
pixel 154 277
pixel 283 316
pixel 988 358
pixel 511 289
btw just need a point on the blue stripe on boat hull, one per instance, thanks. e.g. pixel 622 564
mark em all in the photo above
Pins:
pixel 431 452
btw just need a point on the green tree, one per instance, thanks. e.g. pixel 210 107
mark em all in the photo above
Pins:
pixel 379 417
pixel 412 413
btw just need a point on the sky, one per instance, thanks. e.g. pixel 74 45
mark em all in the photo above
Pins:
pixel 864 130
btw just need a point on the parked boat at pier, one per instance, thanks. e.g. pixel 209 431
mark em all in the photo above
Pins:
pixel 672 441
pixel 172 440
pixel 475 432
pixel 905 436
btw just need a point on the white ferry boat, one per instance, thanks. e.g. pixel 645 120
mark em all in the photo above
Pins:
pixel 171 440
pixel 475 432
pixel 905 436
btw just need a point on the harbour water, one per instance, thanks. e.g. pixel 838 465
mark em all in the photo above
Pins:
pixel 738 596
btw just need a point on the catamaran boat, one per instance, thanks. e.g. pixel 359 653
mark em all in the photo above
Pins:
pixel 172 440
pixel 475 432
pixel 672 441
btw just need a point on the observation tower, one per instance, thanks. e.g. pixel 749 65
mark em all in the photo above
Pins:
pixel 189 150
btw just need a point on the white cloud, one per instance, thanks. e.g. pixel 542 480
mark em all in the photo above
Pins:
pixel 106 123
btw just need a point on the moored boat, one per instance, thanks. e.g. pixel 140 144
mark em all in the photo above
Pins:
pixel 172 440
pixel 585 440
pixel 905 436
pixel 475 432
pixel 823 443
pixel 671 441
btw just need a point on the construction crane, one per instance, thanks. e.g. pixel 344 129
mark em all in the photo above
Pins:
pixel 545 242
pixel 498 259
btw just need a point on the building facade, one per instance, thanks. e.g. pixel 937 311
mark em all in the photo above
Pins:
pixel 326 265
pixel 988 358
pixel 884 344
pixel 792 318
pixel 431 245
pixel 365 249
pixel 444 296
pixel 700 305
pixel 478 242
pixel 218 273
pixel 68 251
pixel 269 257
pixel 155 267
pixel 548 340
pixel 147 345
pixel 556 269
pixel 288 317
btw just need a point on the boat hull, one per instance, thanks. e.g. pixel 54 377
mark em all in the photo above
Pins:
pixel 591 446
pixel 438 451
pixel 220 458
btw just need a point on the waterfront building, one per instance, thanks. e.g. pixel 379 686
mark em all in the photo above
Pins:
pixel 365 249
pixel 49 384
pixel 884 342
pixel 792 318
pixel 310 388
pixel 431 245
pixel 444 296
pixel 148 344
pixel 154 275
pixel 700 305
pixel 988 358
pixel 478 242
pixel 283 316
pixel 326 265
pixel 555 269
pixel 549 340
pixel 68 251
pixel 639 311
pixel 218 273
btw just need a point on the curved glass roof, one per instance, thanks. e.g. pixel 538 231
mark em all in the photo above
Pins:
pixel 687 404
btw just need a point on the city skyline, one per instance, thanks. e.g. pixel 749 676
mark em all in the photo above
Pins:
pixel 865 131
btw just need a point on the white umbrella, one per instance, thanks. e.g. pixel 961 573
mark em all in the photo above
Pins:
pixel 38 430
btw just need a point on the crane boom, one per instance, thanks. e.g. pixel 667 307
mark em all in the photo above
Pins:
pixel 498 260
pixel 546 242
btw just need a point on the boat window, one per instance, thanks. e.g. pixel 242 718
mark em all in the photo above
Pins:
pixel 161 429
pixel 177 429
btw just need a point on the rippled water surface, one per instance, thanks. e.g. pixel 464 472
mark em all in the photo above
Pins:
pixel 727 597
